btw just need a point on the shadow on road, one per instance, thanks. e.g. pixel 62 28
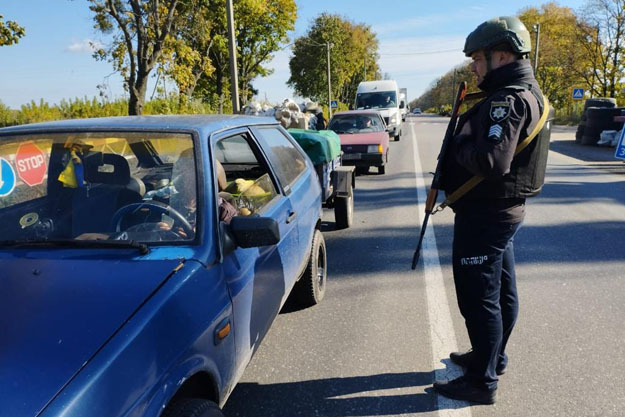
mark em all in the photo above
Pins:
pixel 334 397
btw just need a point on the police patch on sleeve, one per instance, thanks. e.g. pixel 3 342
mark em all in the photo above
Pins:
pixel 499 110
pixel 494 133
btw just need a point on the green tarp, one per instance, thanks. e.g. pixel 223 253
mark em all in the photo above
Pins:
pixel 321 146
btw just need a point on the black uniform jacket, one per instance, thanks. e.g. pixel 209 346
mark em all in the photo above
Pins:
pixel 498 123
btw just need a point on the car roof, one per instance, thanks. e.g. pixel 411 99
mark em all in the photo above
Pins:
pixel 356 112
pixel 206 124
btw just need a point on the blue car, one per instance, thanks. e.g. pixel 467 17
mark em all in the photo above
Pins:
pixel 143 260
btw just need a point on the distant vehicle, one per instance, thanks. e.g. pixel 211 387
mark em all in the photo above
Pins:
pixel 364 140
pixel 382 95
pixel 403 103
pixel 416 111
pixel 124 292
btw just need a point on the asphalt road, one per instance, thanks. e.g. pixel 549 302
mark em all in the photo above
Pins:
pixel 381 335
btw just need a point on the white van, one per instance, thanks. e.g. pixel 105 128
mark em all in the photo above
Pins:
pixel 382 95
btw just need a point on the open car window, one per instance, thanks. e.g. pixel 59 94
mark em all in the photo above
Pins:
pixel 98 186
pixel 248 184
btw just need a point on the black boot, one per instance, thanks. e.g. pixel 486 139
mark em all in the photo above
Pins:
pixel 464 389
pixel 465 359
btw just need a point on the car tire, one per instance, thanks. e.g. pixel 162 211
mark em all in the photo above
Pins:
pixel 192 407
pixel 311 287
pixel 382 169
pixel 397 137
pixel 344 211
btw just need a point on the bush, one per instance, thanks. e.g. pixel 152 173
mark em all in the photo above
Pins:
pixel 81 108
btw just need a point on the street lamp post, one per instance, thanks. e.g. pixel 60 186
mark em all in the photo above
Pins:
pixel 537 30
pixel 234 78
pixel 328 45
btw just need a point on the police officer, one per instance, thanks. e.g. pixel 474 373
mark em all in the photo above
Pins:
pixel 488 216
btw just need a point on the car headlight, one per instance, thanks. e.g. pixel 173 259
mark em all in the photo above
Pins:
pixel 393 119
pixel 374 149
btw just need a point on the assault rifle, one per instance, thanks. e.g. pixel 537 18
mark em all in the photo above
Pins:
pixel 433 193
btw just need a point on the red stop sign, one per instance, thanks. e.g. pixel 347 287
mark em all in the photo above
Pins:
pixel 31 164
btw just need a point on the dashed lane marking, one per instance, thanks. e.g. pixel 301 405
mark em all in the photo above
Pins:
pixel 441 326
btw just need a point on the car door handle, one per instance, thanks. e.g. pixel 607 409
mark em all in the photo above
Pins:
pixel 291 217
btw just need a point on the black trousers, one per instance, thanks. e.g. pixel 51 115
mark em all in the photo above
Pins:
pixel 483 265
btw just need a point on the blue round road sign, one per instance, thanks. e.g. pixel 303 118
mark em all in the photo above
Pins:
pixel 7 178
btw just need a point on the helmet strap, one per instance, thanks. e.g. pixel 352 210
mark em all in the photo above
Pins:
pixel 488 55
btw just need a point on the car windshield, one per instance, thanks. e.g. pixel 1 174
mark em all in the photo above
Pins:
pixel 88 186
pixel 376 100
pixel 356 123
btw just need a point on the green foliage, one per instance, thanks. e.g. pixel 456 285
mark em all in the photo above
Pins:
pixel 10 32
pixel 350 44
pixel 86 108
pixel 261 26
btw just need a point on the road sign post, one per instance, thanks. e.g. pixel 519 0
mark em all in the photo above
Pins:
pixel 31 164
pixel 620 148
pixel 578 94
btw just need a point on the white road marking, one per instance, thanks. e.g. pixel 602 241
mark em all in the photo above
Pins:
pixel 441 327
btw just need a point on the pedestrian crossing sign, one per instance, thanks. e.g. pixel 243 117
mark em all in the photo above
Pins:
pixel 578 93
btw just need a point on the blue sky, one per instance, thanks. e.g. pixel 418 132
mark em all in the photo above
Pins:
pixel 53 61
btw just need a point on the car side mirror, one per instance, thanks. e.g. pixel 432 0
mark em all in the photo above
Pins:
pixel 252 231
pixel 401 105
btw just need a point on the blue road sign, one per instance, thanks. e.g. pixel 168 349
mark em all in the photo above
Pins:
pixel 578 93
pixel 334 104
pixel 620 148
pixel 7 178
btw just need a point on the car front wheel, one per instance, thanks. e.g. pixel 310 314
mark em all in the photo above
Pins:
pixel 192 407
pixel 311 287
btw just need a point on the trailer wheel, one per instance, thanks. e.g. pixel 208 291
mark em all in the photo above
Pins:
pixel 344 211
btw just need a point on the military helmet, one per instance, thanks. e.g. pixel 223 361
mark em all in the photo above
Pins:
pixel 504 29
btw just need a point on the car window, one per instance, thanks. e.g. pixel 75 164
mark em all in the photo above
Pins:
pixel 285 158
pixel 76 185
pixel 248 184
pixel 356 123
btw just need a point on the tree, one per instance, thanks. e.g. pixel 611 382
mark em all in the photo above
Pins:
pixel 349 44
pixel 606 18
pixel 562 59
pixel 10 32
pixel 261 26
pixel 186 55
pixel 140 30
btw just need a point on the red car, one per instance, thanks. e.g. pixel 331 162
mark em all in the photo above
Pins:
pixel 364 140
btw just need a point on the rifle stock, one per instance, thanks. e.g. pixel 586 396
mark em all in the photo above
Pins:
pixel 433 192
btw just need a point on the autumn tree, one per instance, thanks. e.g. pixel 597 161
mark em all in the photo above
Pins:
pixel 186 54
pixel 140 29
pixel 261 27
pixel 561 59
pixel 10 32
pixel 605 23
pixel 349 42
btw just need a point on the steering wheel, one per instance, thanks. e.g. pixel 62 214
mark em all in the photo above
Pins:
pixel 158 207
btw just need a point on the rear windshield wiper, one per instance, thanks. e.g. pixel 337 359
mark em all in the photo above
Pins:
pixel 142 247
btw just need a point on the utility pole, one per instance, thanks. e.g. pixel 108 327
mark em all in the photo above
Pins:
pixel 234 78
pixel 329 85
pixel 594 64
pixel 537 30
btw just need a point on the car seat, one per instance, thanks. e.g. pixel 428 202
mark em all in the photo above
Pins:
pixel 109 187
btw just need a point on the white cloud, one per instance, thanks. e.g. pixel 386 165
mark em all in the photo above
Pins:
pixel 85 46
